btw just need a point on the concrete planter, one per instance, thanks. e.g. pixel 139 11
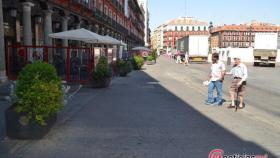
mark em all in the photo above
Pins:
pixel 123 74
pixel 18 128
pixel 101 83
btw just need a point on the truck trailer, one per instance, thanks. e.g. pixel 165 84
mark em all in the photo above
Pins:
pixel 265 49
pixel 197 47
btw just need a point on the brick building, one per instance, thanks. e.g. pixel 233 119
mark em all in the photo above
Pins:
pixel 239 36
pixel 181 27
pixel 29 22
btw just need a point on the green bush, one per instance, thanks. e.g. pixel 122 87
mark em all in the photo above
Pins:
pixel 102 70
pixel 137 62
pixel 124 67
pixel 150 58
pixel 39 92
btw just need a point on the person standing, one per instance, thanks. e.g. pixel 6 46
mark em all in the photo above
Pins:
pixel 186 59
pixel 215 80
pixel 239 74
pixel 178 57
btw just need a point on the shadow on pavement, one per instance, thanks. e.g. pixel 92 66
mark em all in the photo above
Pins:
pixel 135 117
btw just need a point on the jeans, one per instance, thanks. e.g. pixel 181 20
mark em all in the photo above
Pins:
pixel 219 86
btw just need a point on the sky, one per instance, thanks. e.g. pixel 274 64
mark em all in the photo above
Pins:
pixel 218 11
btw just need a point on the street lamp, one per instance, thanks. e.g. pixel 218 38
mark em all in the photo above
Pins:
pixel 210 31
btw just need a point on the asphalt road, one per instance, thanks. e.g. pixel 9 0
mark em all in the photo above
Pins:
pixel 262 112
pixel 262 90
pixel 158 112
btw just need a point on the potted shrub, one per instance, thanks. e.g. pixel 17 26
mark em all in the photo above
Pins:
pixel 137 62
pixel 101 76
pixel 150 60
pixel 124 67
pixel 154 55
pixel 38 99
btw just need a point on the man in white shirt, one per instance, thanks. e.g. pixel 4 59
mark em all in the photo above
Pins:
pixel 215 78
pixel 239 74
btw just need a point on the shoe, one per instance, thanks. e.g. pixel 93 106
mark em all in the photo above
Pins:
pixel 231 106
pixel 240 107
pixel 218 104
pixel 208 103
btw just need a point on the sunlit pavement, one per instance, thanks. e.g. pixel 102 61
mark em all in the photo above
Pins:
pixel 155 113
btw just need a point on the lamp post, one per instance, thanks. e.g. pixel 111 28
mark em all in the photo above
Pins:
pixel 210 32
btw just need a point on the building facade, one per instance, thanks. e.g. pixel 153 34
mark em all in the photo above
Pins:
pixel 157 38
pixel 27 22
pixel 145 4
pixel 30 22
pixel 181 27
pixel 239 36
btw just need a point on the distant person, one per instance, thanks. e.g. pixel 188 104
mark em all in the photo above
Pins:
pixel 59 64
pixel 239 74
pixel 178 57
pixel 36 56
pixel 74 65
pixel 215 80
pixel 21 59
pixel 186 62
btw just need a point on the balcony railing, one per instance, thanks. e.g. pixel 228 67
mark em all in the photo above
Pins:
pixel 81 2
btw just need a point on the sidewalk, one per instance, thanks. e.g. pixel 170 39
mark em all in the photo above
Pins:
pixel 4 104
pixel 135 117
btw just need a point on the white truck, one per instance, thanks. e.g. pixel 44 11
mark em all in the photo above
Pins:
pixel 197 47
pixel 265 49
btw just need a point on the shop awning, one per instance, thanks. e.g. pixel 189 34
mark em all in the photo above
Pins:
pixel 78 35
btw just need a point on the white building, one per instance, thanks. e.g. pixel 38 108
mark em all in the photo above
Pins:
pixel 157 37
pixel 145 4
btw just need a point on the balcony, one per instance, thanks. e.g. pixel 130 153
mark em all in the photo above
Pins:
pixel 82 3
pixel 98 15
pixel 121 29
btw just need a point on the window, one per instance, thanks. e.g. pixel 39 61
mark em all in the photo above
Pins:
pixel 85 3
pixel 193 28
pixel 187 28
pixel 175 28
pixel 182 28
pixel 105 10
pixel 204 28
pixel 198 28
pixel 110 13
pixel 114 16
